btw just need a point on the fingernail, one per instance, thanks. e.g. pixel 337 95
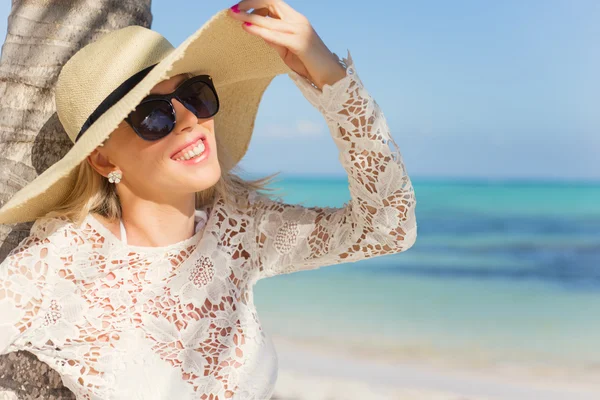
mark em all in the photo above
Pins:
pixel 235 8
pixel 247 23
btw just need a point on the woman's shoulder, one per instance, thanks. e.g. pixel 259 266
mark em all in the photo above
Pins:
pixel 56 233
pixel 58 230
pixel 46 227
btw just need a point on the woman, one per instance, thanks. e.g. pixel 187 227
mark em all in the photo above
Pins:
pixel 136 279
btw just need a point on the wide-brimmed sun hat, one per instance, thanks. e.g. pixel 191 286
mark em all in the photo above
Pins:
pixel 101 80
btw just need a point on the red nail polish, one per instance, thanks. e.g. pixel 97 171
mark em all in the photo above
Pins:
pixel 247 23
pixel 235 9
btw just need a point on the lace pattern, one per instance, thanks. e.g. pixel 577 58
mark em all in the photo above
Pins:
pixel 380 217
pixel 127 322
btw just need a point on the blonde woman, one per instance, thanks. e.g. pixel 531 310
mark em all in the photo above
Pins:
pixel 137 278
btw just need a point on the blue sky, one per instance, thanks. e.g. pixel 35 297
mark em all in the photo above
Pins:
pixel 470 89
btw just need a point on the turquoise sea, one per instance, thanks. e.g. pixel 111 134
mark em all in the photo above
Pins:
pixel 501 272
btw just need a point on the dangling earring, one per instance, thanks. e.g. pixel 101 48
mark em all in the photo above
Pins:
pixel 115 176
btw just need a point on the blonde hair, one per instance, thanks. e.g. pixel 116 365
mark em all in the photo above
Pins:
pixel 93 192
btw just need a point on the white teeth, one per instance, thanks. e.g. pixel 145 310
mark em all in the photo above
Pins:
pixel 194 152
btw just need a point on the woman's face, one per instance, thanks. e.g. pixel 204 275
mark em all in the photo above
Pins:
pixel 148 169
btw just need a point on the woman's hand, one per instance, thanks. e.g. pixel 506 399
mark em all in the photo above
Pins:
pixel 294 38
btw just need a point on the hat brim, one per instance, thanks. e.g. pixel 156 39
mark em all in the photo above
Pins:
pixel 242 66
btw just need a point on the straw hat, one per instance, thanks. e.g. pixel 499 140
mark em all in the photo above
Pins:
pixel 241 65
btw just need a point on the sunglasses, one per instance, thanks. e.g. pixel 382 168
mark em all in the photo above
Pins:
pixel 154 117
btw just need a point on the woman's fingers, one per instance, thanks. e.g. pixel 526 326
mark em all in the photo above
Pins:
pixel 282 27
pixel 277 9
pixel 259 17
pixel 245 5
pixel 286 40
pixel 291 13
pixel 261 11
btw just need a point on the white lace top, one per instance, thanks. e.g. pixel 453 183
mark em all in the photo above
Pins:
pixel 178 322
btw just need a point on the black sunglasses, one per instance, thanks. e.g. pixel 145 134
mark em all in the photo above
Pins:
pixel 154 117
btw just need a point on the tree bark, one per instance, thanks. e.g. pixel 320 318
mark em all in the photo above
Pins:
pixel 42 35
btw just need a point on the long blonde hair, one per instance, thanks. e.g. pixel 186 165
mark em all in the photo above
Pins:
pixel 94 193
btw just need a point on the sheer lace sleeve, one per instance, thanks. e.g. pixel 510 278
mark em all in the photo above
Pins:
pixel 379 219
pixel 22 286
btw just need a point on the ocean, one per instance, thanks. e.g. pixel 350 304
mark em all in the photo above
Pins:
pixel 501 272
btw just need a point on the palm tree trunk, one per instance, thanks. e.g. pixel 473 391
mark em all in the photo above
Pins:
pixel 42 35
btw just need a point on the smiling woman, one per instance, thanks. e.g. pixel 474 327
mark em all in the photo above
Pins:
pixel 92 192
pixel 163 306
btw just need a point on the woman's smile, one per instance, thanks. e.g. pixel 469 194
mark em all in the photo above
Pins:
pixel 186 148
pixel 194 154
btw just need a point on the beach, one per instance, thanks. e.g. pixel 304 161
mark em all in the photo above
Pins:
pixel 314 373
pixel 498 299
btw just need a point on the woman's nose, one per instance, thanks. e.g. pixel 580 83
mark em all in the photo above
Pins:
pixel 184 118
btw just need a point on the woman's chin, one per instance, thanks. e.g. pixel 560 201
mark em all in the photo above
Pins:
pixel 202 178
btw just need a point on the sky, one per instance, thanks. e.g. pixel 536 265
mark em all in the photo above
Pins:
pixel 470 89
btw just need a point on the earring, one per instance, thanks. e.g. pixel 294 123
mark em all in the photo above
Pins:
pixel 115 176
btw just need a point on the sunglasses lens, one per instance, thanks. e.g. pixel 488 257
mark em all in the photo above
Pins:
pixel 200 99
pixel 153 119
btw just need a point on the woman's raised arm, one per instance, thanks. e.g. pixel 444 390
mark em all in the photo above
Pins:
pixel 380 217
